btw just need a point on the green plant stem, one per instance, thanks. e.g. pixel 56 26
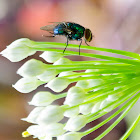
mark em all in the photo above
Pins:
pixel 100 72
pixel 119 119
pixel 129 84
pixel 62 95
pixel 120 60
pixel 96 77
pixel 130 104
pixel 115 104
pixel 103 85
pixel 129 92
pixel 132 127
pixel 62 45
pixel 119 101
pixel 90 66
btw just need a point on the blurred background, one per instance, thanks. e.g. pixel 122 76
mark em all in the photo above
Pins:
pixel 114 23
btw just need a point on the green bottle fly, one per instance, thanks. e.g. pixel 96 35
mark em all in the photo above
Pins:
pixel 72 31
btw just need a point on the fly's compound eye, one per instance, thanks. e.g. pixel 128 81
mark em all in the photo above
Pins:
pixel 88 35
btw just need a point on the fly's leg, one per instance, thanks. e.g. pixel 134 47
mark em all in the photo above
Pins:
pixel 80 45
pixel 86 43
pixel 51 33
pixel 66 44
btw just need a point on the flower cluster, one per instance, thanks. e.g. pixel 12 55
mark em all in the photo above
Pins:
pixel 100 87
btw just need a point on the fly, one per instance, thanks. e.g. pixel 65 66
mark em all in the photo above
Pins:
pixel 71 30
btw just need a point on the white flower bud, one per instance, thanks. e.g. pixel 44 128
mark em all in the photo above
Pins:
pixel 104 104
pixel 26 85
pixel 32 68
pixel 51 57
pixel 63 61
pixel 33 115
pixel 67 73
pixel 85 108
pixel 54 129
pixel 75 96
pixel 51 114
pixel 58 84
pixel 95 82
pixel 92 70
pixel 18 50
pixel 72 112
pixel 37 131
pixel 70 136
pixel 48 75
pixel 47 138
pixel 112 97
pixel 42 98
pixel 89 71
pixel 76 123
pixel 115 88
pixel 83 84
pixel 96 107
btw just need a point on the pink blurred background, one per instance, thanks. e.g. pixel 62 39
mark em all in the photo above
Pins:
pixel 114 23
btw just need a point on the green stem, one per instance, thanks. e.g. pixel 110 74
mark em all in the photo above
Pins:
pixel 119 119
pixel 129 92
pixel 119 101
pixel 100 72
pixel 130 104
pixel 120 60
pixel 91 66
pixel 96 77
pixel 62 95
pixel 132 127
pixel 62 45
pixel 129 84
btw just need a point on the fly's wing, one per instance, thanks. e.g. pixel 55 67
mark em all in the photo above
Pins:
pixel 50 27
pixel 47 28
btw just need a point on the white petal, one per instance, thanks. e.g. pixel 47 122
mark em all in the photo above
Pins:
pixel 76 123
pixel 85 108
pixel 51 114
pixel 63 61
pixel 58 84
pixel 18 50
pixel 95 82
pixel 26 85
pixel 112 97
pixel 96 107
pixel 37 131
pixel 83 84
pixel 67 73
pixel 70 136
pixel 55 129
pixel 75 96
pixel 72 112
pixel 51 57
pixel 48 75
pixel 32 68
pixel 104 104
pixel 42 98
pixel 33 115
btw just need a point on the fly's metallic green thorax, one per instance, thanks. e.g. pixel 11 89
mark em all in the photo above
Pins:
pixel 71 30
